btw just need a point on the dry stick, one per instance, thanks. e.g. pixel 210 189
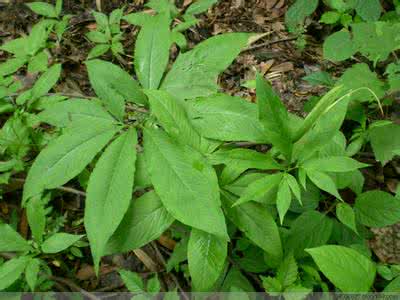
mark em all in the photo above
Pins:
pixel 269 43
pixel 174 279
pixel 61 188
pixel 73 287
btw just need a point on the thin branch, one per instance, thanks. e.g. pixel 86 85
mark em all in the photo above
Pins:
pixel 61 188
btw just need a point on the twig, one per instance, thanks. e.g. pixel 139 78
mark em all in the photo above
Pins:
pixel 146 260
pixel 269 43
pixel 61 188
pixel 73 286
pixel 173 277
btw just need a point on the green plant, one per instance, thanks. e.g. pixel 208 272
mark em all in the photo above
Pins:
pixel 29 259
pixel 107 35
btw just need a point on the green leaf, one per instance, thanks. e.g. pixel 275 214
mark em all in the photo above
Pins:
pixel 287 272
pixel 46 82
pixel 238 160
pixel 179 255
pixel 235 278
pixel 330 17
pixel 271 285
pixel 101 20
pixel 110 188
pixel 11 241
pixel 226 118
pixel 114 86
pixel 97 37
pixel 138 19
pixel 187 185
pixel 369 10
pixel 43 9
pixel 152 51
pixel 153 285
pixel 59 242
pixel 36 213
pixel 58 7
pixel 382 141
pixel 194 73
pixel 199 6
pixel 38 36
pixel 339 46
pixel 273 115
pixel 310 229
pixel 294 186
pixel 324 182
pixel 11 270
pixel 393 75
pixel 299 11
pixel 260 187
pixel 98 50
pixel 346 268
pixel 257 224
pixel 393 286
pixel 145 221
pixel 66 156
pixel 320 78
pixel 32 273
pixel 173 117
pixel 64 113
pixel 283 199
pixel 360 76
pixel 377 209
pixel 346 215
pixel 333 164
pixel 132 281
pixel 376 40
pixel 38 63
pixel 12 65
pixel 206 257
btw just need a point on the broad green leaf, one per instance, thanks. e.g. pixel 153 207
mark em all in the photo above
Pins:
pixel 11 241
pixel 299 11
pixel 97 37
pixel 339 46
pixel 32 273
pixel 377 209
pixel 36 213
pixel 58 7
pixel 320 78
pixel 235 278
pixel 274 117
pixel 114 86
pixel 46 81
pixel 346 215
pixel 101 20
pixel 226 118
pixel 375 40
pixel 138 19
pixel 330 17
pixel 186 184
pixel 238 160
pixel 283 199
pixel 66 156
pixel 98 50
pixel 360 76
pixel 324 130
pixel 194 73
pixel 38 63
pixel 257 224
pixel 206 257
pixel 153 285
pixel 142 176
pixel 199 6
pixel 59 242
pixel 11 270
pixel 63 113
pixel 393 75
pixel 132 281
pixel 173 117
pixel 38 36
pixel 260 187
pixel 145 221
pixel 43 9
pixel 110 189
pixel 324 182
pixel 238 186
pixel 310 229
pixel 346 268
pixel 385 141
pixel 333 164
pixel 152 51
pixel 12 65
pixel 271 285
pixel 393 286
pixel 287 272
pixel 369 10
